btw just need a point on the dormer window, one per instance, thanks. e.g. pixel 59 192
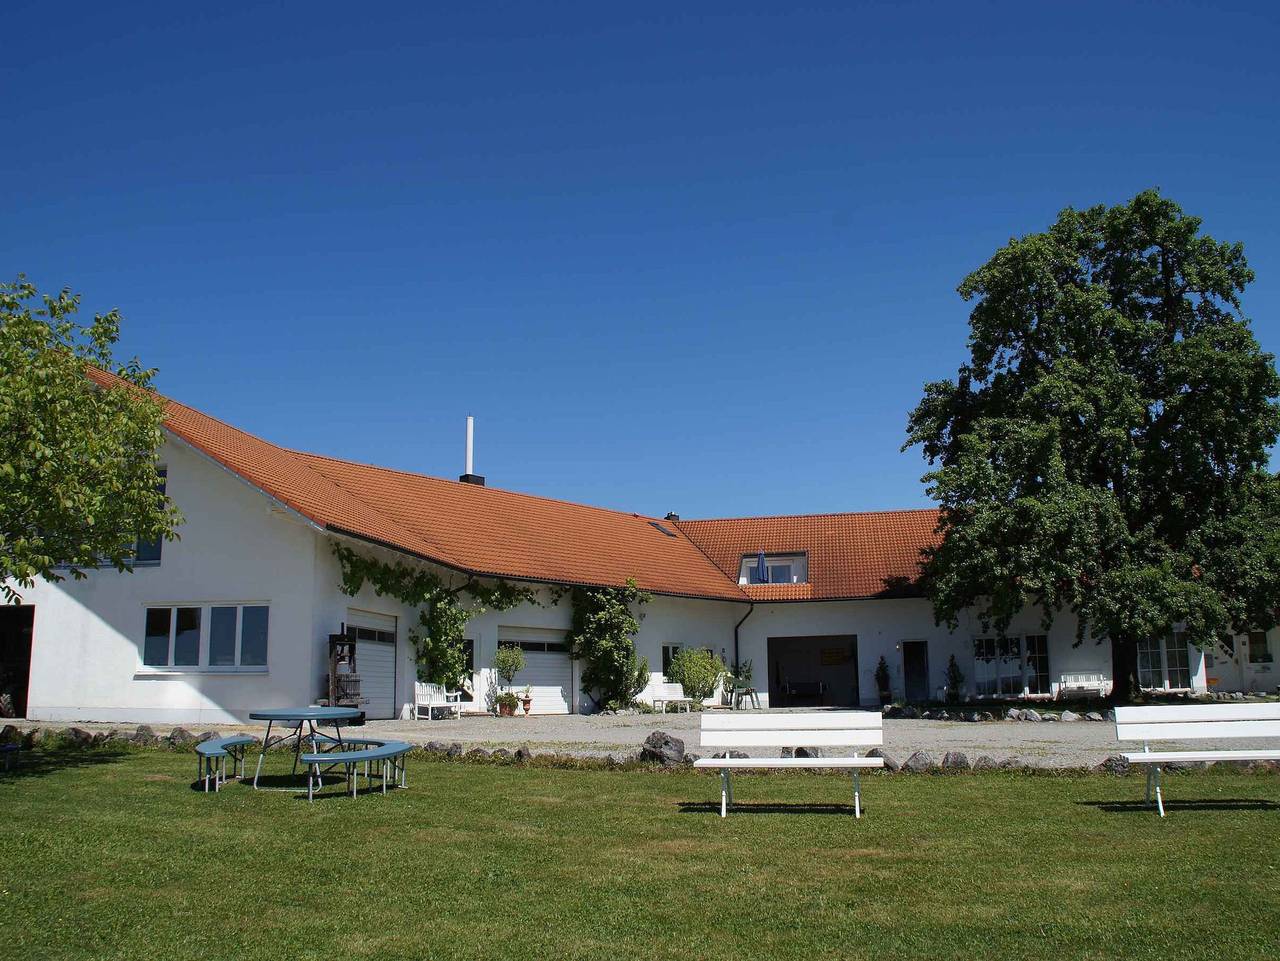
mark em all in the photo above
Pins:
pixel 775 569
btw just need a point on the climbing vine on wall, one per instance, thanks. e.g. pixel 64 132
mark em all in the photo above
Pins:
pixel 605 622
pixel 444 607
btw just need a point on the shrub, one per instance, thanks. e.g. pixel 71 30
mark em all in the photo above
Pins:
pixel 697 670
pixel 604 622
pixel 955 678
pixel 508 662
pixel 882 675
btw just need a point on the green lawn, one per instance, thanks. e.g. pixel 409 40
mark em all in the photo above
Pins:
pixel 107 856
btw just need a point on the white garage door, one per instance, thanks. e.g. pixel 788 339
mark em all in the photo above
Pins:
pixel 375 661
pixel 548 670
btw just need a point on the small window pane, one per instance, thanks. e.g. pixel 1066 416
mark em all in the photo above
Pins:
pixel 186 639
pixel 222 637
pixel 253 636
pixel 155 648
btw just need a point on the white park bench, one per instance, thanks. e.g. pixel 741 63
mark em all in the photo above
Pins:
pixel 665 693
pixel 1088 682
pixel 1195 722
pixel 821 729
pixel 428 696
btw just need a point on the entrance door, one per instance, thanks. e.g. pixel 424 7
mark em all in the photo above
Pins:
pixel 15 658
pixel 915 669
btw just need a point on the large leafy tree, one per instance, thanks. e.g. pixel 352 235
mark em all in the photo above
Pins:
pixel 1104 449
pixel 78 480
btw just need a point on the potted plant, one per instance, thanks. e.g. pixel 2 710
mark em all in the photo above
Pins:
pixel 882 681
pixel 507 663
pixel 526 699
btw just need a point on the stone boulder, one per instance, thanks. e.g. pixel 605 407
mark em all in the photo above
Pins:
pixel 436 747
pixel 1069 716
pixel 1030 714
pixel 890 762
pixel 143 735
pixel 1013 714
pixel 477 754
pixel 454 750
pixel 1115 764
pixel 955 761
pixel 919 763
pixel 1093 716
pixel 985 762
pixel 1013 764
pixel 77 736
pixel 501 754
pixel 662 748
pixel 180 737
pixel 524 754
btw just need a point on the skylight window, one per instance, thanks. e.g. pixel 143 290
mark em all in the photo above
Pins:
pixel 658 527
pixel 776 569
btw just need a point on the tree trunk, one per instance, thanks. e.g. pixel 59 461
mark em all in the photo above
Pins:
pixel 1124 669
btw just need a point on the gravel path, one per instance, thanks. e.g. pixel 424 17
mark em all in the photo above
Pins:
pixel 1046 744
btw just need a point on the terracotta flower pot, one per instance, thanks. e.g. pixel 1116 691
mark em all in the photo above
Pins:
pixel 506 710
pixel 527 703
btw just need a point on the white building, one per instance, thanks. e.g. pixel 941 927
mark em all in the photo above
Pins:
pixel 237 614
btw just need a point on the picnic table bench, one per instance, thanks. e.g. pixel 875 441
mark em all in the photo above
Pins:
pixel 211 758
pixel 354 753
pixel 820 729
pixel 1195 722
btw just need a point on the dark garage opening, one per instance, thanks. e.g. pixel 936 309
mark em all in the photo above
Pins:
pixel 818 671
pixel 15 658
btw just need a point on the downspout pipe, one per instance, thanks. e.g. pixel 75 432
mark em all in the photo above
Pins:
pixel 737 660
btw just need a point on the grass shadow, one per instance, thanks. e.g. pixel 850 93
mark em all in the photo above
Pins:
pixel 767 807
pixel 1218 804
pixel 37 762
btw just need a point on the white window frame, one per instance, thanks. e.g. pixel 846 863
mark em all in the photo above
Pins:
pixel 1163 645
pixel 797 561
pixel 202 665
pixel 996 668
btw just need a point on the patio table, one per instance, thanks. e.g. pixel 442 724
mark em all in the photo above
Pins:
pixel 296 718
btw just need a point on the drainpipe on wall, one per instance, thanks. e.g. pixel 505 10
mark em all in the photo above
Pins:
pixel 737 660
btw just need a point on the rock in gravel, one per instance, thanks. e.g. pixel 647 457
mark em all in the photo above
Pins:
pixel 143 735
pixel 1030 714
pixel 1012 764
pixel 436 747
pixel 524 754
pixel 454 750
pixel 1115 764
pixel 478 754
pixel 500 754
pixel 180 737
pixel 201 737
pixel 988 716
pixel 1093 716
pixel 1013 714
pixel 808 752
pixel 890 763
pixel 661 748
pixel 1070 716
pixel 1110 715
pixel 920 762
pixel 77 736
pixel 955 761
pixel 985 762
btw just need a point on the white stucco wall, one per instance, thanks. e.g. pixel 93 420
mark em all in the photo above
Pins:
pixel 236 547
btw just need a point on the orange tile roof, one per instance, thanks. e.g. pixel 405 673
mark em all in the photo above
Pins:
pixel 488 531
pixel 480 530
pixel 871 554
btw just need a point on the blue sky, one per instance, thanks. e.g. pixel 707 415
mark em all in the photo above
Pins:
pixel 690 257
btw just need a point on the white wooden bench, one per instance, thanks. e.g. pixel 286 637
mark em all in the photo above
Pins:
pixel 428 696
pixel 1089 682
pixel 1195 722
pixel 820 729
pixel 665 693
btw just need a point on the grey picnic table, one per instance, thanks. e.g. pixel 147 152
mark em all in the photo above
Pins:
pixel 297 718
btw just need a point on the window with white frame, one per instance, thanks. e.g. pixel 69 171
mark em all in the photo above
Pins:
pixel 1164 663
pixel 997 667
pixel 669 652
pixel 778 569
pixel 1038 664
pixel 214 637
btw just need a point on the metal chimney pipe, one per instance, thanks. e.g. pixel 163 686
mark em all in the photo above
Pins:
pixel 471 436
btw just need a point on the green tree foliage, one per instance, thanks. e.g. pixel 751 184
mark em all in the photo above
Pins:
pixel 508 661
pixel 78 479
pixel 696 670
pixel 442 618
pixel 605 621
pixel 1104 449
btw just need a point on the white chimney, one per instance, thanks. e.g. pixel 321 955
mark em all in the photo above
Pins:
pixel 470 477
